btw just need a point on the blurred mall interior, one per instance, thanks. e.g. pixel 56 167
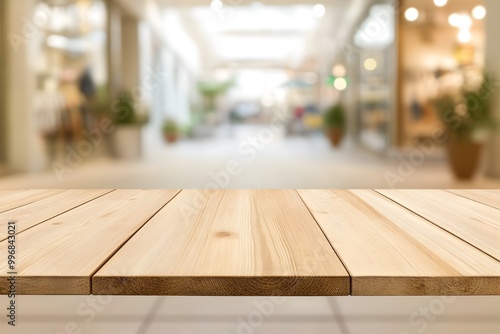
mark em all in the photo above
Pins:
pixel 178 93
pixel 250 94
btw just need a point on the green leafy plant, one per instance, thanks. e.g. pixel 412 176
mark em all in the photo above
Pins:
pixel 102 103
pixel 170 127
pixel 125 111
pixel 334 117
pixel 467 115
pixel 210 91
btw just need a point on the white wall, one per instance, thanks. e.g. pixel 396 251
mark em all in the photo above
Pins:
pixel 180 42
pixel 170 84
pixel 183 107
pixel 149 77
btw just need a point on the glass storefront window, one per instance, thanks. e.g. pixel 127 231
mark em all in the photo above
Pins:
pixel 439 51
pixel 71 70
pixel 376 71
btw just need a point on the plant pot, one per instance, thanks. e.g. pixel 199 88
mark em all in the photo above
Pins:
pixel 127 142
pixel 170 137
pixel 464 156
pixel 335 135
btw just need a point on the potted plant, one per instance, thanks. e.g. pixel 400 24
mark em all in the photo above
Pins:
pixel 170 131
pixel 334 121
pixel 210 91
pixel 468 121
pixel 127 137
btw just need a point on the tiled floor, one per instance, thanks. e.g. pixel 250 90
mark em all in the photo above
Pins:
pixel 235 315
pixel 303 162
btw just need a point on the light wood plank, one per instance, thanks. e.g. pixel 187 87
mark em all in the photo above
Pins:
pixel 7 192
pixel 37 212
pixel 60 255
pixel 389 251
pixel 489 197
pixel 233 242
pixel 474 222
pixel 23 197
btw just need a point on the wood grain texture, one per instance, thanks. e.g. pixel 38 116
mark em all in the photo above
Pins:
pixel 7 192
pixel 474 222
pixel 37 212
pixel 60 255
pixel 390 251
pixel 20 198
pixel 254 242
pixel 489 197
pixel 232 242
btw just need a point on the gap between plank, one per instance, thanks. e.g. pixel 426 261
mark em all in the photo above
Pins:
pixel 470 199
pixel 435 224
pixel 34 201
pixel 328 240
pixel 60 213
pixel 106 260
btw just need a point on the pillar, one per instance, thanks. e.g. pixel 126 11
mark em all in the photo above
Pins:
pixel 24 148
pixel 114 33
pixel 130 52
pixel 493 66
pixel 3 80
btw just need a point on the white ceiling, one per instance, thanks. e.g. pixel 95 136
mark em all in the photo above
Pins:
pixel 270 33
pixel 256 33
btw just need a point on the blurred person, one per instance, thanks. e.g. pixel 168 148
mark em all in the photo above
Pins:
pixel 88 90
pixel 72 118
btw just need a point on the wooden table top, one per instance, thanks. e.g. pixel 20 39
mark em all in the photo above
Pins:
pixel 253 242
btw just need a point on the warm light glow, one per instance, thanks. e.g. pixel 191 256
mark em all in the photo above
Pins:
pixel 479 12
pixel 440 3
pixel 465 22
pixel 412 14
pixel 460 21
pixel 454 20
pixel 319 10
pixel 370 64
pixel 339 71
pixel 340 84
pixel 464 36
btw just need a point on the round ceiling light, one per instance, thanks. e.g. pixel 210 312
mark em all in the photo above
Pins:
pixel 340 84
pixel 411 14
pixel 440 3
pixel 370 64
pixel 319 10
pixel 479 12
